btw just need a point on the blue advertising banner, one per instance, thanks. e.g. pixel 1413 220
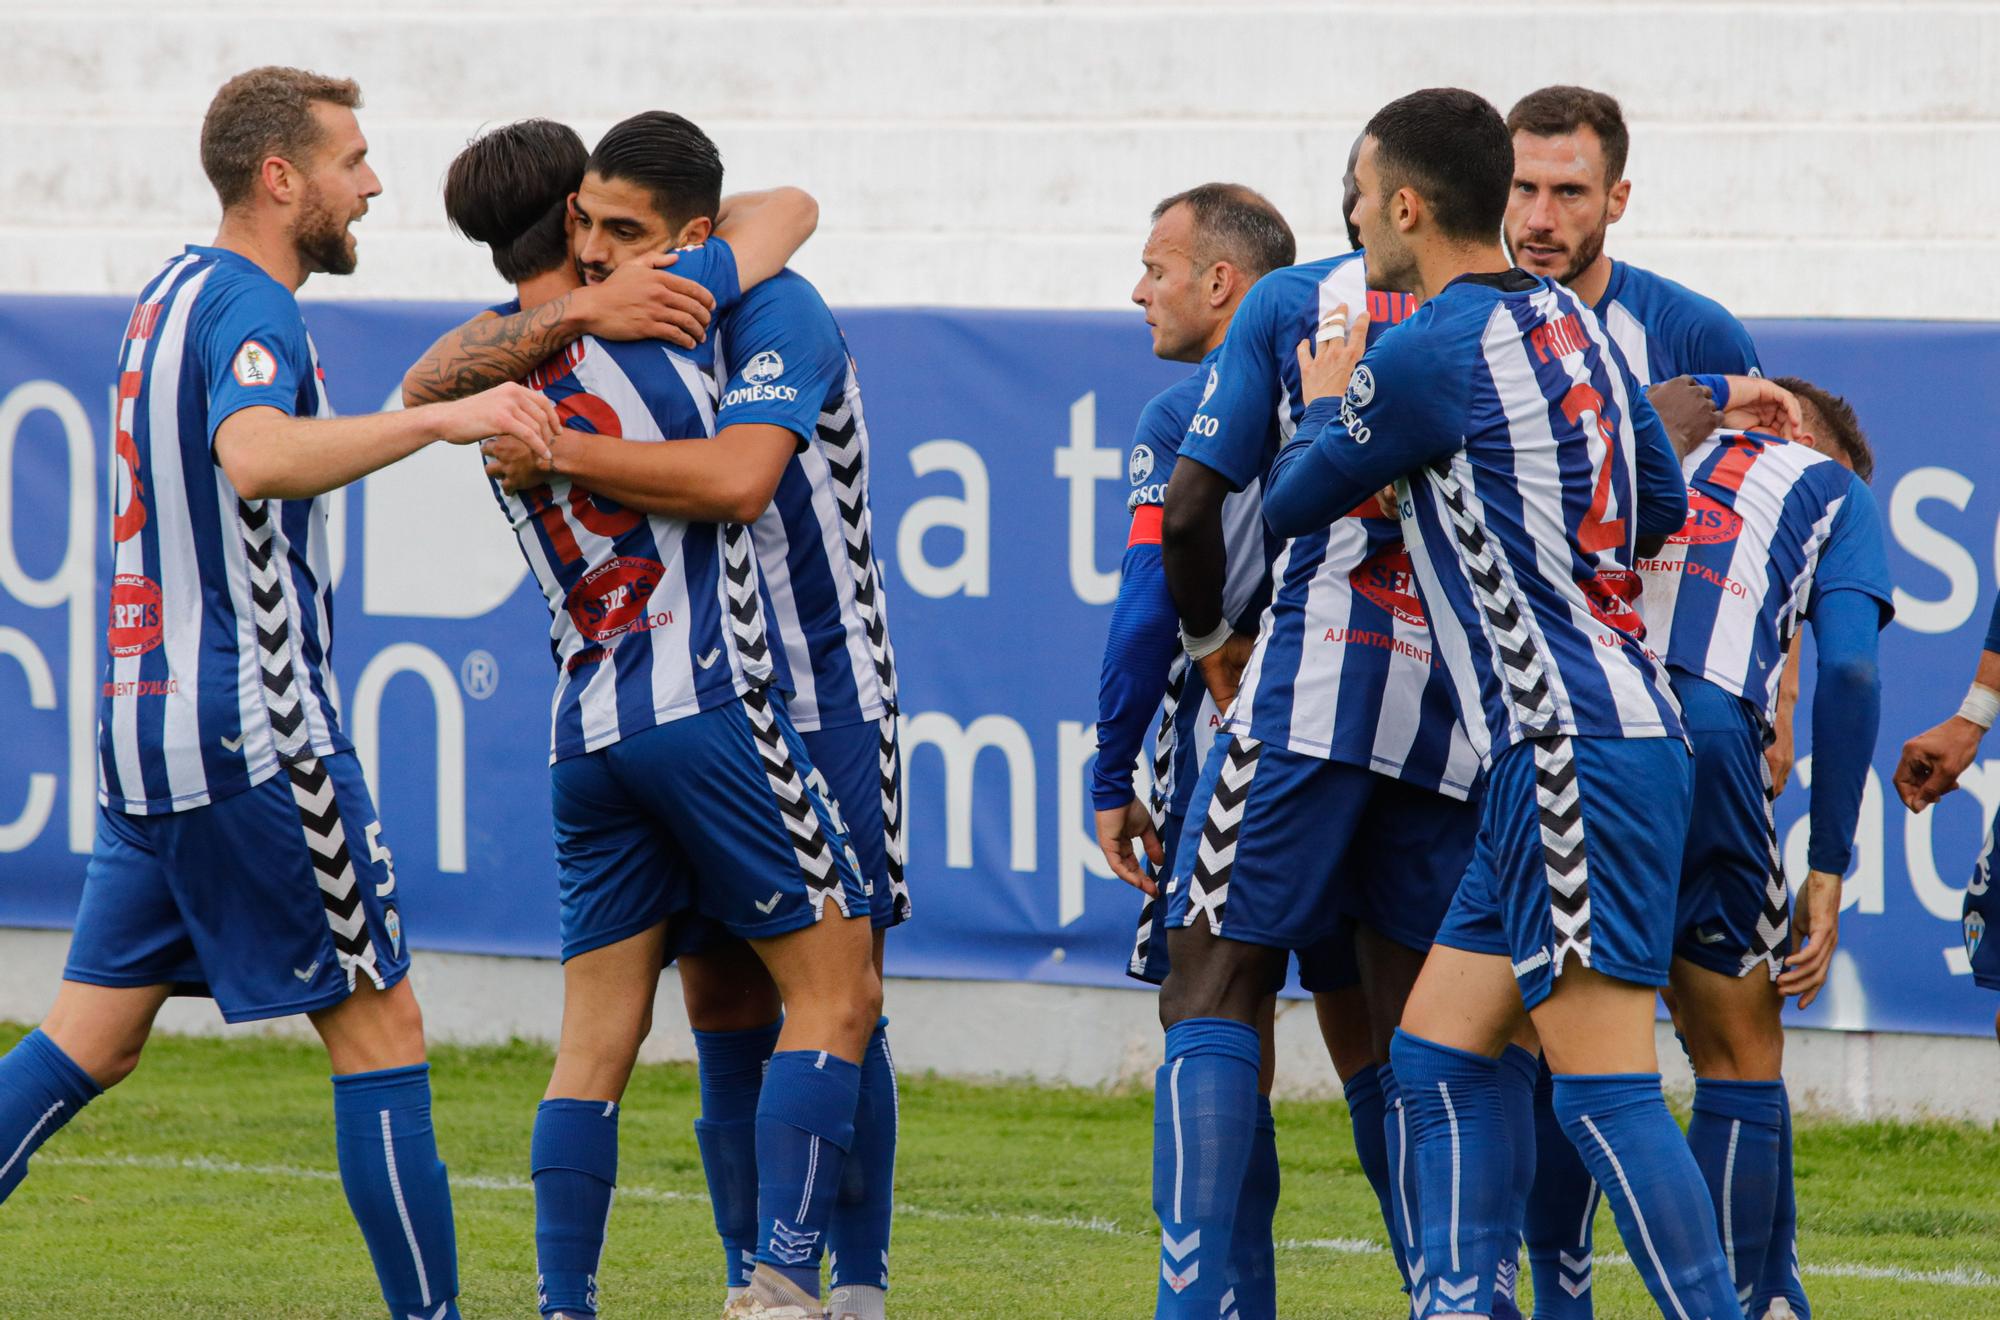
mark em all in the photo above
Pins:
pixel 999 480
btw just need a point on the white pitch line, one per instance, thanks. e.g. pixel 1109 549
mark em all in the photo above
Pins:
pixel 1956 1277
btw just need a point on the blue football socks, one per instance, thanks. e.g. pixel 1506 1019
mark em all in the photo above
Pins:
pixel 1204 1125
pixel 859 1237
pixel 1464 1157
pixel 1519 1069
pixel 41 1088
pixel 1635 1150
pixel 397 1188
pixel 1253 1267
pixel 1735 1134
pixel 1365 1107
pixel 1404 1211
pixel 1781 1262
pixel 573 1160
pixel 731 1070
pixel 1562 1209
pixel 805 1127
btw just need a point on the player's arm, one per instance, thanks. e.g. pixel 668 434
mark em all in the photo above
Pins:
pixel 765 228
pixel 1220 454
pixel 1688 409
pixel 642 299
pixel 1933 760
pixel 1331 466
pixel 729 478
pixel 269 454
pixel 1138 652
pixel 1779 757
pixel 1662 487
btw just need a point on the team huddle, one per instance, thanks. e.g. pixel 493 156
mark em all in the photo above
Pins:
pixel 1463 576
pixel 1461 595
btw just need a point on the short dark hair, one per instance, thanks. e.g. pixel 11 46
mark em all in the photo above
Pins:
pixel 1453 148
pixel 509 189
pixel 261 113
pixel 1833 420
pixel 1554 111
pixel 1235 224
pixel 669 157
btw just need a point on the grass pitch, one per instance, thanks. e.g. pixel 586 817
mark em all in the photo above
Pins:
pixel 205 1187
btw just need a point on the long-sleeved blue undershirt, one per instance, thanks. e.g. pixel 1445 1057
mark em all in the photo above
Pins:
pixel 1993 629
pixel 1847 710
pixel 1138 653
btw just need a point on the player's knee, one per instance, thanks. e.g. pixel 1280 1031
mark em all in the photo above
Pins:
pixel 1744 1045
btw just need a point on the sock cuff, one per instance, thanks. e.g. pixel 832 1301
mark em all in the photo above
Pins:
pixel 1521 1066
pixel 578 1135
pixel 733 1048
pixel 408 1087
pixel 1362 1087
pixel 65 1075
pixel 1414 1056
pixel 1392 1090
pixel 1266 1121
pixel 1222 1037
pixel 813 1091
pixel 1603 1092
pixel 1754 1102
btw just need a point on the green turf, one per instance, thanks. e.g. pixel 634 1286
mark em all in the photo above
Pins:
pixel 204 1187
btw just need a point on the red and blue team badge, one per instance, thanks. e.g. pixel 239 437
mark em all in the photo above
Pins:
pixel 135 615
pixel 611 599
pixel 1975 931
pixel 1387 579
pixel 1709 523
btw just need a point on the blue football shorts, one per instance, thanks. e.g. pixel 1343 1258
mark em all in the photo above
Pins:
pixel 273 901
pixel 1734 911
pixel 1293 846
pixel 719 814
pixel 1593 879
pixel 1982 912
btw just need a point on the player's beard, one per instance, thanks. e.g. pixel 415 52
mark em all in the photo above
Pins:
pixel 321 236
pixel 1391 264
pixel 1587 251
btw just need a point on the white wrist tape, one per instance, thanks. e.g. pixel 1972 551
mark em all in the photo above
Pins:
pixel 1981 706
pixel 1199 648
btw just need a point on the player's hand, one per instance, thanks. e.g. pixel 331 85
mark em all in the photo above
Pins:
pixel 1933 760
pixel 1222 669
pixel 1340 345
pixel 642 300
pixel 1116 828
pixel 512 464
pixel 1687 410
pixel 505 410
pixel 1387 504
pixel 1780 758
pixel 1815 930
pixel 1756 404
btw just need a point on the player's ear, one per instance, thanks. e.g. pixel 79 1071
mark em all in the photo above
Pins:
pixel 1224 283
pixel 1621 193
pixel 1407 210
pixel 278 178
pixel 694 232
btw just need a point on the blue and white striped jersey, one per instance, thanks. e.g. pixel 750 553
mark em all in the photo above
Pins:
pixel 1344 666
pixel 1771 527
pixel 1528 465
pixel 1666 329
pixel 221 621
pixel 787 365
pixel 651 618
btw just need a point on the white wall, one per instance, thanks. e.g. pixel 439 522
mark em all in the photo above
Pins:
pixel 1789 158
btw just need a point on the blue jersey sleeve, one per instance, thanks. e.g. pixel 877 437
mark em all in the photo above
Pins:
pixel 1403 409
pixel 1706 338
pixel 1156 445
pixel 1663 495
pixel 1993 628
pixel 1138 652
pixel 1232 425
pixel 1847 714
pixel 712 265
pixel 1853 558
pixel 253 351
pixel 786 357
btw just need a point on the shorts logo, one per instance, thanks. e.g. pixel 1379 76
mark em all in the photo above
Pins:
pixel 1208 390
pixel 393 924
pixel 764 368
pixel 1141 466
pixel 254 364
pixel 1361 387
pixel 1540 958
pixel 611 599
pixel 1709 523
pixel 1975 931
pixel 135 615
pixel 1387 579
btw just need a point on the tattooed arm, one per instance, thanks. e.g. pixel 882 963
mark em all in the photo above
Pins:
pixel 640 300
